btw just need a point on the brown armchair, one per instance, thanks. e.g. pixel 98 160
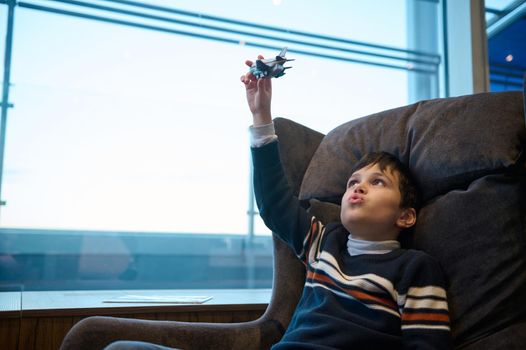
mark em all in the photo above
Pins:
pixel 468 155
pixel 97 332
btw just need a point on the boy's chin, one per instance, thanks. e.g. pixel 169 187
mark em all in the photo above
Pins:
pixel 352 219
pixel 349 225
pixel 356 224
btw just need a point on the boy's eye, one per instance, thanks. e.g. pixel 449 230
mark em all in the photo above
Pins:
pixel 378 182
pixel 351 183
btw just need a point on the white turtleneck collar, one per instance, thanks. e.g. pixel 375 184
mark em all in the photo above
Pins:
pixel 359 246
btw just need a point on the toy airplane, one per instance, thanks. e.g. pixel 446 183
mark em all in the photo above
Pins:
pixel 272 67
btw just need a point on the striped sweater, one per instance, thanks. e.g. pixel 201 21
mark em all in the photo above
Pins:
pixel 394 300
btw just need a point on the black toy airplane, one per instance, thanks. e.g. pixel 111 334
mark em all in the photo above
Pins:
pixel 272 67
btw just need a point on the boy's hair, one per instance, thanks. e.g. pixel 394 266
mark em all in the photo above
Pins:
pixel 407 184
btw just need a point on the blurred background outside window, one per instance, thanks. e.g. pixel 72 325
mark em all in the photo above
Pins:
pixel 126 160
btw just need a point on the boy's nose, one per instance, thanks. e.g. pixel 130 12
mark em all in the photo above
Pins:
pixel 359 189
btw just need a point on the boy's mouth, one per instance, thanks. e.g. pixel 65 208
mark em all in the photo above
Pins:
pixel 355 199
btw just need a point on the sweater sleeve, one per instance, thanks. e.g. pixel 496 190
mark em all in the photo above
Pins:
pixel 424 308
pixel 278 207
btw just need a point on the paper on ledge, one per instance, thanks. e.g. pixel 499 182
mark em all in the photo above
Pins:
pixel 169 299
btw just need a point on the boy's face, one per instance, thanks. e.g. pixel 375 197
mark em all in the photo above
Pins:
pixel 371 205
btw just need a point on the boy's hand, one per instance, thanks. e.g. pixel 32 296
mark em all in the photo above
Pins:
pixel 259 95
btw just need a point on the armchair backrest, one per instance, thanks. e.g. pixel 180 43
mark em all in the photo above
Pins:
pixel 468 156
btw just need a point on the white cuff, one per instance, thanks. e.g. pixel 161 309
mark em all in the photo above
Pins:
pixel 262 135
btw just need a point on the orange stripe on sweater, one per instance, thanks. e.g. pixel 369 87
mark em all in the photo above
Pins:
pixel 354 293
pixel 425 317
pixel 314 226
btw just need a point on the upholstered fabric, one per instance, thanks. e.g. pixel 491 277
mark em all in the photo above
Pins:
pixel 478 235
pixel 467 154
pixel 447 143
pixel 325 211
pixel 512 337
pixel 297 145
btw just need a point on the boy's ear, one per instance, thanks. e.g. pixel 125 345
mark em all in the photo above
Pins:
pixel 407 218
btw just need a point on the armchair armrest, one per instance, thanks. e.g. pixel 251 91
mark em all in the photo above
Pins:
pixel 98 332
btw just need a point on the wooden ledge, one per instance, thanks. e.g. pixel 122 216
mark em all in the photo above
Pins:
pixel 40 320
pixel 85 303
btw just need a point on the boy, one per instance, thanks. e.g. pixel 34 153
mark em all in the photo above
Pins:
pixel 362 290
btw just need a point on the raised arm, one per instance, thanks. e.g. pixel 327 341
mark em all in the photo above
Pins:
pixel 259 96
pixel 278 208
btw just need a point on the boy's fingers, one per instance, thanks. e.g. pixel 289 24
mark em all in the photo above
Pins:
pixel 250 63
pixel 264 83
pixel 250 76
pixel 245 79
pixel 248 79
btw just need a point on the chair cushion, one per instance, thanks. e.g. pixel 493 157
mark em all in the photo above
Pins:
pixel 297 146
pixel 326 212
pixel 447 143
pixel 512 337
pixel 479 237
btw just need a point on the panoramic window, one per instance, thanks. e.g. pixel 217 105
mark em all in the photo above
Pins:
pixel 506 28
pixel 126 161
